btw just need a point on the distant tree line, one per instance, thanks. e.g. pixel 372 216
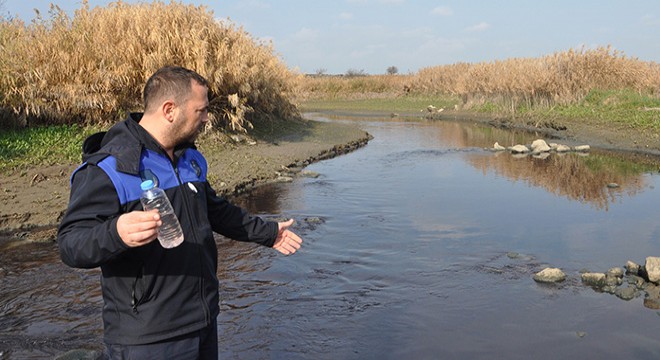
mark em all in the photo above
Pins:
pixel 352 72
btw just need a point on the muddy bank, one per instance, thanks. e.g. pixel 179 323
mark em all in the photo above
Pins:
pixel 33 201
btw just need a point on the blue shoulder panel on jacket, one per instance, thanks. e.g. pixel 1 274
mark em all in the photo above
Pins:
pixel 157 167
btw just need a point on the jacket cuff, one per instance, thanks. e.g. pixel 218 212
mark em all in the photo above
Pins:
pixel 276 229
pixel 120 245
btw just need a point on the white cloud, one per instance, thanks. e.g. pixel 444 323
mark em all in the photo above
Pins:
pixel 306 34
pixel 253 5
pixel 375 1
pixel 442 46
pixel 442 11
pixel 479 27
pixel 346 16
pixel 367 51
pixel 650 20
pixel 416 33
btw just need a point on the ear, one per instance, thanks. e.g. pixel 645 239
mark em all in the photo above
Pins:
pixel 167 109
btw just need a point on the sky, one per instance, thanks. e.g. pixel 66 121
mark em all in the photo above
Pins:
pixel 337 36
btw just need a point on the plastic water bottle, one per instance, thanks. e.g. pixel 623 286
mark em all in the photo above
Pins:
pixel 169 233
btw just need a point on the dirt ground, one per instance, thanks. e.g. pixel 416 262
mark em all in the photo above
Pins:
pixel 33 201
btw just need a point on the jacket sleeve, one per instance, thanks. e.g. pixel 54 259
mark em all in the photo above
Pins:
pixel 235 223
pixel 87 236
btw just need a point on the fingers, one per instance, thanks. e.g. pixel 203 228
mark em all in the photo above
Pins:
pixel 284 225
pixel 138 228
pixel 288 243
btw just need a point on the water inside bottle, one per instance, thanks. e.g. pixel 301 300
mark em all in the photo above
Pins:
pixel 170 234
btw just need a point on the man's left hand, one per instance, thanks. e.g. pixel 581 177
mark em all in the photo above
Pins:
pixel 287 242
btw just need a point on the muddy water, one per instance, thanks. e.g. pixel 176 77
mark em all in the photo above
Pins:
pixel 409 253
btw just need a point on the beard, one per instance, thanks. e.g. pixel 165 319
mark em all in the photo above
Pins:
pixel 185 131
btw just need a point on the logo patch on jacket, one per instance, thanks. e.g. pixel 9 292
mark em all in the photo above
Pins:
pixel 196 167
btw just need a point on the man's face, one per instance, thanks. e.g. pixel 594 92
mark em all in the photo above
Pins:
pixel 191 115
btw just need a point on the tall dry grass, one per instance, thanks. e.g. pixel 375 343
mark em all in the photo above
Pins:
pixel 91 67
pixel 349 87
pixel 561 78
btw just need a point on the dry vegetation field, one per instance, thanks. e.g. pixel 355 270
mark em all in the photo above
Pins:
pixel 598 85
pixel 559 79
pixel 90 68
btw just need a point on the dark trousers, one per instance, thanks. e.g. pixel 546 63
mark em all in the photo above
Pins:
pixel 202 345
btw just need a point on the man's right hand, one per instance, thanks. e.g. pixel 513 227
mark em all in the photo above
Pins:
pixel 138 228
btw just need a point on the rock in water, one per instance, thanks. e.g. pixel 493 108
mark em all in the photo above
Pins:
pixel 627 293
pixel 615 271
pixel 519 149
pixel 550 275
pixel 540 146
pixel 632 268
pixel 597 280
pixel 652 300
pixel 652 267
pixel 562 148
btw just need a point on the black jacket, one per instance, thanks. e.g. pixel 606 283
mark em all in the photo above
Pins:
pixel 150 293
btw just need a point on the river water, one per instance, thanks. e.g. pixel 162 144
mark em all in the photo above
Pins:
pixel 421 245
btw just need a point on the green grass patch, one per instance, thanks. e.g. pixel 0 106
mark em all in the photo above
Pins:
pixel 620 108
pixel 489 107
pixel 42 146
pixel 400 104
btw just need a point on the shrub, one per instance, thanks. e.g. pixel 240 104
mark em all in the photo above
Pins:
pixel 92 67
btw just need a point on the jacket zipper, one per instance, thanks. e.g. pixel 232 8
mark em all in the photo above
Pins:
pixel 202 291
pixel 135 302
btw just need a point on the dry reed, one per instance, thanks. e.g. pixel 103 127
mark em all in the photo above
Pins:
pixel 91 67
pixel 561 78
pixel 349 87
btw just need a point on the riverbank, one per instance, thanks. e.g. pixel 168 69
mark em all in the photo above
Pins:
pixel 638 143
pixel 33 201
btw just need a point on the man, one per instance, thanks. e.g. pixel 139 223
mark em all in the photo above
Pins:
pixel 158 303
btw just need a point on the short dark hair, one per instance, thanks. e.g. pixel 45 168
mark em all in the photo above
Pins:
pixel 170 81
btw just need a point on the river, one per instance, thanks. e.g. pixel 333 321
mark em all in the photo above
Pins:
pixel 421 245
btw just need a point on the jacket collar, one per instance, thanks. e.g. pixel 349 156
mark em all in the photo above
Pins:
pixel 125 142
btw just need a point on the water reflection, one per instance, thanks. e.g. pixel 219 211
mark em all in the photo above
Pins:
pixel 598 178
